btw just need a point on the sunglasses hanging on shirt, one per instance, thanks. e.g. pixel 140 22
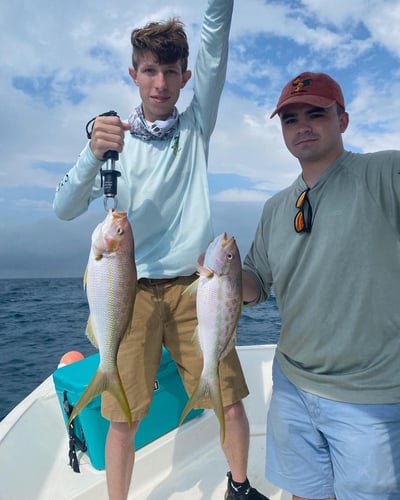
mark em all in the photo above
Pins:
pixel 303 218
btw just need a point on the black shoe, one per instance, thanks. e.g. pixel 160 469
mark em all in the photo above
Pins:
pixel 249 494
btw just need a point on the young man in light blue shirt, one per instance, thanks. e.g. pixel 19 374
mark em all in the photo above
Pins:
pixel 163 188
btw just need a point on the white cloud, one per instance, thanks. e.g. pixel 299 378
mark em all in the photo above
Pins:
pixel 64 63
pixel 341 13
pixel 240 196
pixel 38 204
pixel 246 142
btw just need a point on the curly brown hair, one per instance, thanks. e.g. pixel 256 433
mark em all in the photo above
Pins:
pixel 167 41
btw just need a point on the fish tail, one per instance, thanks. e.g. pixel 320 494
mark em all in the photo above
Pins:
pixel 216 399
pixel 103 382
pixel 213 391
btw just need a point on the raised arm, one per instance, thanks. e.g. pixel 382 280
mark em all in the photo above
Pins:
pixel 211 62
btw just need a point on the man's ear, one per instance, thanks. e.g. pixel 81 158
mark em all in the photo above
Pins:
pixel 344 121
pixel 133 74
pixel 186 77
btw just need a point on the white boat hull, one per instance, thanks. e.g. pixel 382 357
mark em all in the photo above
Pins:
pixel 185 463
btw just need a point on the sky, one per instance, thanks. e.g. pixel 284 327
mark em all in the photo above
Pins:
pixel 64 62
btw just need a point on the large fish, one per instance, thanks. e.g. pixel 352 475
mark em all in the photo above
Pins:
pixel 110 282
pixel 219 305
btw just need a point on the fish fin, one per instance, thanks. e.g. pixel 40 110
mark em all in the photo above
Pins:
pixel 90 333
pixel 116 388
pixel 206 272
pixel 207 388
pixel 128 328
pixel 200 392
pixel 230 345
pixel 103 382
pixel 85 278
pixel 192 288
pixel 196 341
pixel 196 338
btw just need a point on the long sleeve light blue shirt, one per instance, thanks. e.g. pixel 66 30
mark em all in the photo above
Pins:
pixel 163 185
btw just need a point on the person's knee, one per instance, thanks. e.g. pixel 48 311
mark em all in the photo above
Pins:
pixel 235 411
pixel 121 431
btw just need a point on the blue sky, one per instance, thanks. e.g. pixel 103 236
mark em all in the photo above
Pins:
pixel 63 63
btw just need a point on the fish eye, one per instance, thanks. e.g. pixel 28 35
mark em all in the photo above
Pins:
pixel 230 256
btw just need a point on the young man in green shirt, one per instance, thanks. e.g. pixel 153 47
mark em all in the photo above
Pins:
pixel 330 246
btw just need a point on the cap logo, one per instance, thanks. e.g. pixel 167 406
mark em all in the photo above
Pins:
pixel 299 84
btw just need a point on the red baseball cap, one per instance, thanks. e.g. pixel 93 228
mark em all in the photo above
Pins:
pixel 317 89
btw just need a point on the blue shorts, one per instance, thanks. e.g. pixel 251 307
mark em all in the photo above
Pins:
pixel 319 448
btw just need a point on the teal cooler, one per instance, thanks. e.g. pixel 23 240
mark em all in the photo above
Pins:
pixel 91 427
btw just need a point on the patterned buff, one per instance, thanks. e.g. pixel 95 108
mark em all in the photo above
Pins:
pixel 160 129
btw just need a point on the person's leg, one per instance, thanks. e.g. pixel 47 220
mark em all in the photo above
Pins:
pixel 236 450
pixel 139 358
pixel 297 454
pixel 321 448
pixel 120 457
pixel 179 341
pixel 364 443
pixel 236 443
pixel 237 436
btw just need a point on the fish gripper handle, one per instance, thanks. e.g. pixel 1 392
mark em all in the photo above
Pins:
pixel 109 176
pixel 109 182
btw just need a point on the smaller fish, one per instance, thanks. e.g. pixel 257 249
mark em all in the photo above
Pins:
pixel 218 305
pixel 110 282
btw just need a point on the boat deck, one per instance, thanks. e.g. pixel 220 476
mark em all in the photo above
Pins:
pixel 187 463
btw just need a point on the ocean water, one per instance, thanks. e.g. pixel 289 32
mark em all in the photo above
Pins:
pixel 41 319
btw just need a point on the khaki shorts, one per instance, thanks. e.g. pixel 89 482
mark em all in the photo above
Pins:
pixel 162 315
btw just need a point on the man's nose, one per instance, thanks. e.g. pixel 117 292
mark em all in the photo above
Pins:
pixel 303 124
pixel 160 82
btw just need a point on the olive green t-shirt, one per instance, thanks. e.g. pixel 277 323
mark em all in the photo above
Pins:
pixel 337 287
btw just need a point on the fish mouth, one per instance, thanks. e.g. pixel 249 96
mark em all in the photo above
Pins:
pixel 118 215
pixel 223 243
pixel 227 241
